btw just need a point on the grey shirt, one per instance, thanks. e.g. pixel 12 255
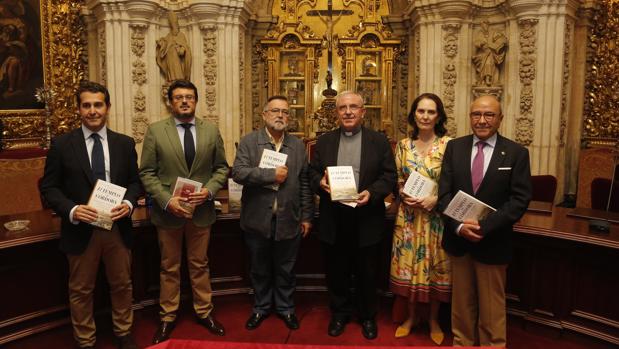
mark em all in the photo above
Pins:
pixel 349 152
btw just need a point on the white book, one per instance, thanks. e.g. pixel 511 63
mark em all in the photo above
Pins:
pixel 464 206
pixel 419 186
pixel 183 187
pixel 272 159
pixel 235 191
pixel 342 183
pixel 104 197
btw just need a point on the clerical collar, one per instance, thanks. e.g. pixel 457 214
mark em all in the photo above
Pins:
pixel 351 133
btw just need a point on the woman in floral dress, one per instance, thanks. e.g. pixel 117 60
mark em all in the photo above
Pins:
pixel 420 268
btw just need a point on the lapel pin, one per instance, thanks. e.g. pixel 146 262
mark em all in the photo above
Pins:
pixel 502 153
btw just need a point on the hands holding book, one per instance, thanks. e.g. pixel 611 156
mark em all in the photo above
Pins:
pixel 89 214
pixel 425 203
pixel 180 206
pixel 471 230
pixel 281 173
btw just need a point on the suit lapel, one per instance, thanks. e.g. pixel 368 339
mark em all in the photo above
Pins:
pixel 81 153
pixel 465 155
pixel 334 145
pixel 201 142
pixel 112 146
pixel 366 146
pixel 497 158
pixel 175 143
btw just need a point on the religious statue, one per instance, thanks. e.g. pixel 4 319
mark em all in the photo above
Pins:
pixel 174 53
pixel 329 40
pixel 491 50
pixel 293 66
pixel 368 66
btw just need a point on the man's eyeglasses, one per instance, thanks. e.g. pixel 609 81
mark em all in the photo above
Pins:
pixel 284 112
pixel 353 108
pixel 180 98
pixel 476 116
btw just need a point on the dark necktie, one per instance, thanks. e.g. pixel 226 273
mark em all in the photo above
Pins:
pixel 477 170
pixel 190 148
pixel 96 157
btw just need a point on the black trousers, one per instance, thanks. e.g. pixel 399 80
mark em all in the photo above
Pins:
pixel 350 267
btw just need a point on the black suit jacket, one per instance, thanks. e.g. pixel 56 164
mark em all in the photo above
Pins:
pixel 68 181
pixel 377 174
pixel 506 187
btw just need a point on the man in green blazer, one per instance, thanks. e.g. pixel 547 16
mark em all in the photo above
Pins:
pixel 188 147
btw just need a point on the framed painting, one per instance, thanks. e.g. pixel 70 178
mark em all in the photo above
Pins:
pixel 41 44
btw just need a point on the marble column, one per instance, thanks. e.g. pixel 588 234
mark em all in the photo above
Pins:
pixel 122 54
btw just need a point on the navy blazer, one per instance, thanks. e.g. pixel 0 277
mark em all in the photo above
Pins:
pixel 506 187
pixel 68 181
pixel 377 174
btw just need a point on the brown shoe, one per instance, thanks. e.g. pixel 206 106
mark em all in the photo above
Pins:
pixel 126 342
pixel 212 325
pixel 164 331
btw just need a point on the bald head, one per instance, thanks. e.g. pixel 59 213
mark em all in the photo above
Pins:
pixel 486 116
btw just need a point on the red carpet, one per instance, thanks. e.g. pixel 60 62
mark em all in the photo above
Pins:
pixel 188 344
pixel 313 312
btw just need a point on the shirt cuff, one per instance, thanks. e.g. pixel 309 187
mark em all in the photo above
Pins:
pixel 130 206
pixel 73 221
pixel 458 229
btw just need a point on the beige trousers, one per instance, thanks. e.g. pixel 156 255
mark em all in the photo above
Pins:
pixel 170 246
pixel 106 246
pixel 478 303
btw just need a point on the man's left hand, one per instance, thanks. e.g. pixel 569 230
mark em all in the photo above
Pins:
pixel 363 199
pixel 198 198
pixel 306 227
pixel 121 211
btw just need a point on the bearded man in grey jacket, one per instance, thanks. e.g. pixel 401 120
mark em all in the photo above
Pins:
pixel 276 212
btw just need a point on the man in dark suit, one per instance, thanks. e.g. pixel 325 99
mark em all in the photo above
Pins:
pixel 496 171
pixel 74 163
pixel 350 236
pixel 189 147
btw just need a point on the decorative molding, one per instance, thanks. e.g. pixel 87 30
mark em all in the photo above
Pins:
pixel 450 75
pixel 417 59
pixel 242 81
pixel 402 122
pixel 63 45
pixel 256 57
pixel 209 37
pixel 569 37
pixel 139 121
pixel 601 112
pixel 525 123
pixel 102 54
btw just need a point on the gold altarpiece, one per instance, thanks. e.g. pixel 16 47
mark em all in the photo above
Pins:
pixel 318 48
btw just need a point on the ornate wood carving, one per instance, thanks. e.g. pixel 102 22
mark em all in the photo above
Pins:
pixel 64 57
pixel 139 121
pixel 450 75
pixel 209 37
pixel 525 122
pixel 601 124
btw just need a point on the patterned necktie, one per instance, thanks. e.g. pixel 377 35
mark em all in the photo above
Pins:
pixel 190 148
pixel 96 157
pixel 477 170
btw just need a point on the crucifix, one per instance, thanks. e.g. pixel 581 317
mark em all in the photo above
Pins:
pixel 326 16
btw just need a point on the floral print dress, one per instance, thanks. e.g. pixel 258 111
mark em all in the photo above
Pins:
pixel 420 268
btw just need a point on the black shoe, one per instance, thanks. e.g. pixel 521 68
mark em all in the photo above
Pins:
pixel 369 329
pixel 126 342
pixel 290 320
pixel 212 325
pixel 164 331
pixel 337 326
pixel 255 319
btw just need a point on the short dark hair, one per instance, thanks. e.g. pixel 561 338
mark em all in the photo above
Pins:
pixel 439 127
pixel 272 98
pixel 92 87
pixel 181 84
